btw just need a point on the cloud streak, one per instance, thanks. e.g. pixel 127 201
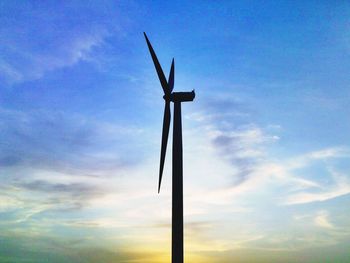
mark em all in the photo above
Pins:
pixel 54 140
pixel 41 41
pixel 322 220
pixel 339 187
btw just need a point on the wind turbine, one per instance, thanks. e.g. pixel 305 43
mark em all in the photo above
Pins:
pixel 177 250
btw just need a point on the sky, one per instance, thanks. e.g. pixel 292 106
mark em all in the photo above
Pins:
pixel 266 140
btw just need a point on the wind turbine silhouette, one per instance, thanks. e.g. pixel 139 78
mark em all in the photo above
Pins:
pixel 177 250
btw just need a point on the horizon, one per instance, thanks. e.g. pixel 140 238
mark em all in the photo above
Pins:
pixel 265 143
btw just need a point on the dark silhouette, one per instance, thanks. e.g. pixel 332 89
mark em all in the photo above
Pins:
pixel 177 191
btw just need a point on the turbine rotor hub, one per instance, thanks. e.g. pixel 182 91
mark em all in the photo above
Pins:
pixel 167 97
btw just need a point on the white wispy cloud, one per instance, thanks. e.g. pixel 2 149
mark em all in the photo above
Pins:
pixel 67 53
pixel 10 73
pixel 339 186
pixel 324 154
pixel 39 39
pixel 322 220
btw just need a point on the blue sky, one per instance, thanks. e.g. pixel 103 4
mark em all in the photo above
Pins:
pixel 266 141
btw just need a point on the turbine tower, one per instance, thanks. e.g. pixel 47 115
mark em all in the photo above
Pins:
pixel 177 249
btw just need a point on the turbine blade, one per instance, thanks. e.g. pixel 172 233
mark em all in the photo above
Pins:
pixel 165 134
pixel 159 70
pixel 171 77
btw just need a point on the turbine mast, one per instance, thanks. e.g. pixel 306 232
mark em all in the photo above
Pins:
pixel 177 194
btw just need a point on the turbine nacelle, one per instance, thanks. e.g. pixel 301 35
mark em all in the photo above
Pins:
pixel 180 96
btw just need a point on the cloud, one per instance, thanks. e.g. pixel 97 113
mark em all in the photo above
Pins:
pixel 234 136
pixel 33 65
pixel 9 73
pixel 39 39
pixel 340 186
pixel 57 141
pixel 294 188
pixel 304 198
pixel 30 202
pixel 319 155
pixel 73 190
pixel 335 152
pixel 245 146
pixel 322 220
pixel 56 196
